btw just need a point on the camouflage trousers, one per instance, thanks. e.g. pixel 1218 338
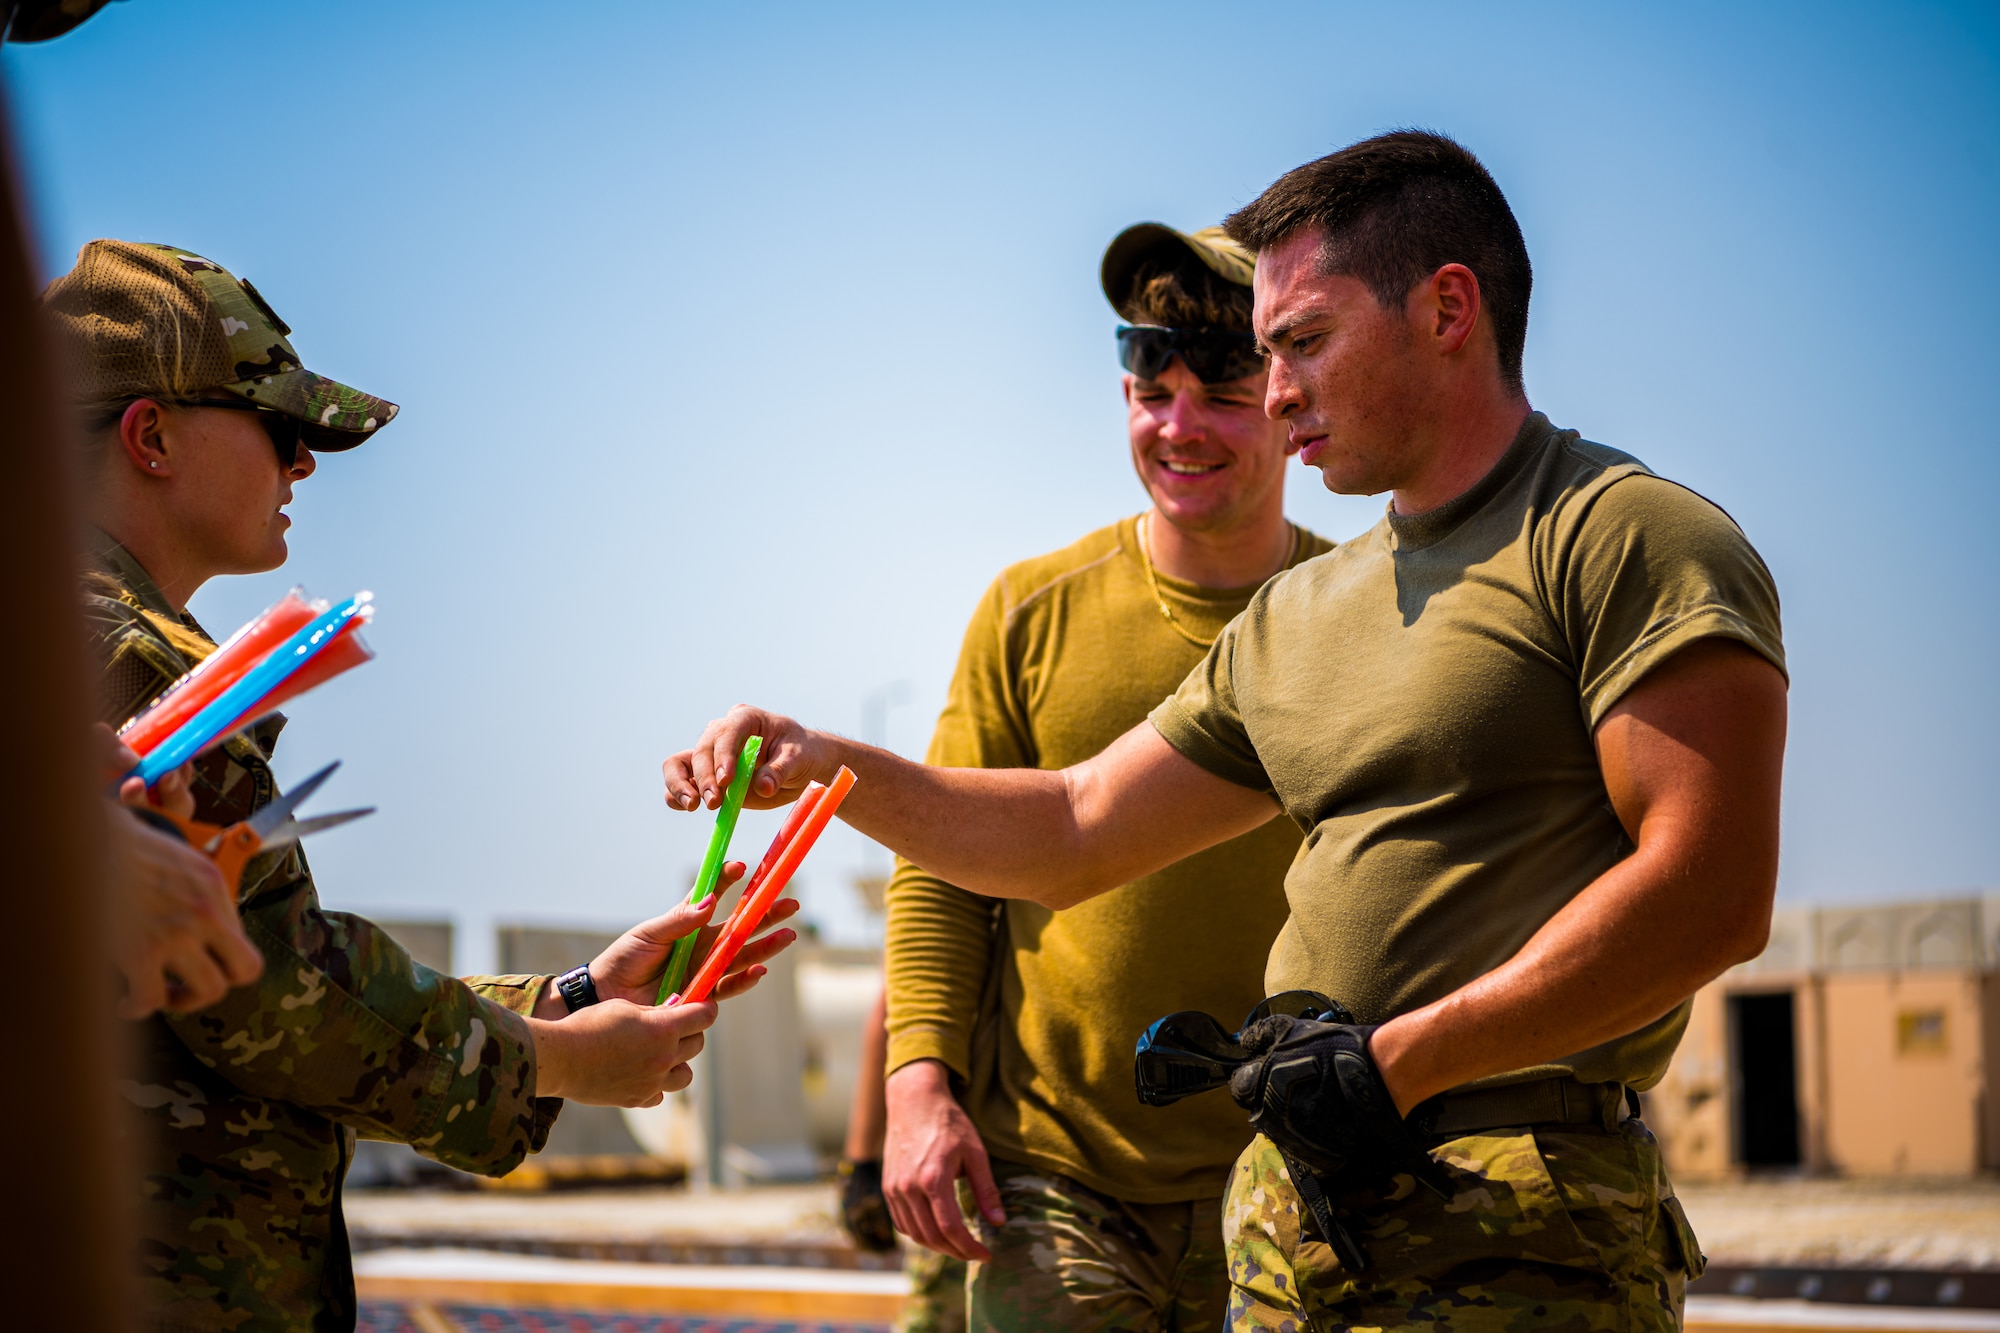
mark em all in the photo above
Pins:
pixel 1573 1229
pixel 1071 1258
pixel 937 1293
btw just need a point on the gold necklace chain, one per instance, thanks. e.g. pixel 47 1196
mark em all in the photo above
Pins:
pixel 1160 599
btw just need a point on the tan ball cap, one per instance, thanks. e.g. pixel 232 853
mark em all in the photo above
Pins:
pixel 1148 240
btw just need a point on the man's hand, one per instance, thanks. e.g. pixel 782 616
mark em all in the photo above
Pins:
pixel 931 1144
pixel 618 1053
pixel 1055 838
pixel 790 757
pixel 175 935
pixel 1312 1088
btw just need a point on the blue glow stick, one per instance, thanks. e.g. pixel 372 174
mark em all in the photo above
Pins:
pixel 220 716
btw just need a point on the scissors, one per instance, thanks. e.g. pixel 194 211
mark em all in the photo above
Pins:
pixel 231 846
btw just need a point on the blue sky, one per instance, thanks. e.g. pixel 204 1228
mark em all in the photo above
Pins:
pixel 740 346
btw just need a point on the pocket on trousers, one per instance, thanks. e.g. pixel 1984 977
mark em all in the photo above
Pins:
pixel 1693 1261
pixel 1505 1191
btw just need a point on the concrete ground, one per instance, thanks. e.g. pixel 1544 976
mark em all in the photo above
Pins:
pixel 1797 1223
pixel 1848 1223
pixel 771 1215
pixel 654 1260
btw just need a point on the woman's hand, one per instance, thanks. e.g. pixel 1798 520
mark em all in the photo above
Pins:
pixel 173 793
pixel 175 935
pixel 630 968
pixel 619 1053
pixel 625 1050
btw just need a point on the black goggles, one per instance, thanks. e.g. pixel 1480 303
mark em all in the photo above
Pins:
pixel 286 433
pixel 1214 355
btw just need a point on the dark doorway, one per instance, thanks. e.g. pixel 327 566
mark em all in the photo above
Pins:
pixel 1767 1080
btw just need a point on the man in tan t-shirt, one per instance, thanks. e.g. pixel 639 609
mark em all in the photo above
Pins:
pixel 1097 1212
pixel 1532 726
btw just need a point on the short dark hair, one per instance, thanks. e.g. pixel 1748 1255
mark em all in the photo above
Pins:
pixel 1187 294
pixel 1394 210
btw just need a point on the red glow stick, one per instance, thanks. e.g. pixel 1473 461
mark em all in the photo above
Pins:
pixel 800 809
pixel 216 673
pixel 751 912
pixel 347 651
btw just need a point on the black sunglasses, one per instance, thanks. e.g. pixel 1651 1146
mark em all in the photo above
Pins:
pixel 1214 355
pixel 286 432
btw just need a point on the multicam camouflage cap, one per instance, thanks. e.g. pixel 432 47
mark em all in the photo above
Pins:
pixel 1146 240
pixel 153 321
pixel 41 20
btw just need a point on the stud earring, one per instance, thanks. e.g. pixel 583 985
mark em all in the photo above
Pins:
pixel 152 465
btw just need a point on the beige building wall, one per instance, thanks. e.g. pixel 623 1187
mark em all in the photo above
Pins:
pixel 1904 1069
pixel 1989 1092
pixel 429 942
pixel 1690 1110
pixel 1896 1035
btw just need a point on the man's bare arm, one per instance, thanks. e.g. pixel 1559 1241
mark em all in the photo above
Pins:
pixel 1055 838
pixel 1692 758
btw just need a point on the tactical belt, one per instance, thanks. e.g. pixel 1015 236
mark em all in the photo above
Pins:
pixel 1560 1100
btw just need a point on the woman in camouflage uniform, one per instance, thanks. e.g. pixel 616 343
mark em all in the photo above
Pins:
pixel 200 420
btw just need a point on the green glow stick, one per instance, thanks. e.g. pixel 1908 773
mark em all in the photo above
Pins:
pixel 711 864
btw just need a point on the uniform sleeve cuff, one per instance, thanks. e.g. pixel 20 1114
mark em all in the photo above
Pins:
pixel 1710 622
pixel 516 993
pixel 913 1044
pixel 1179 729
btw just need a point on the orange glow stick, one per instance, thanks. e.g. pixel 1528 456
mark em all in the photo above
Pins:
pixel 750 913
pixel 216 673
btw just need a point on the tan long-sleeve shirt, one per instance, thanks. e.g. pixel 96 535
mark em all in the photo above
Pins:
pixel 1038 1012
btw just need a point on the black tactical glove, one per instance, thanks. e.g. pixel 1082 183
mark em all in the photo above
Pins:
pixel 1313 1089
pixel 864 1213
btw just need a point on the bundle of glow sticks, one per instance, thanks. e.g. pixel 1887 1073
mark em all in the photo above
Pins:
pixel 809 816
pixel 292 647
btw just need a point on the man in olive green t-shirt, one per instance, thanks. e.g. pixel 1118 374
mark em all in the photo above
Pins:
pixel 1098 1212
pixel 1532 726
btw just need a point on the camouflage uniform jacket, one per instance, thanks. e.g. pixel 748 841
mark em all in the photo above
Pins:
pixel 247 1112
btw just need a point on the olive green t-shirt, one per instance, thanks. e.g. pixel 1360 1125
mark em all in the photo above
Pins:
pixel 1422 701
pixel 1038 1011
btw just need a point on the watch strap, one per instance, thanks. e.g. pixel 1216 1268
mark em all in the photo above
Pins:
pixel 576 988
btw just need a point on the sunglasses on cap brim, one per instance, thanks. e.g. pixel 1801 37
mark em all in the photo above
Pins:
pixel 1213 355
